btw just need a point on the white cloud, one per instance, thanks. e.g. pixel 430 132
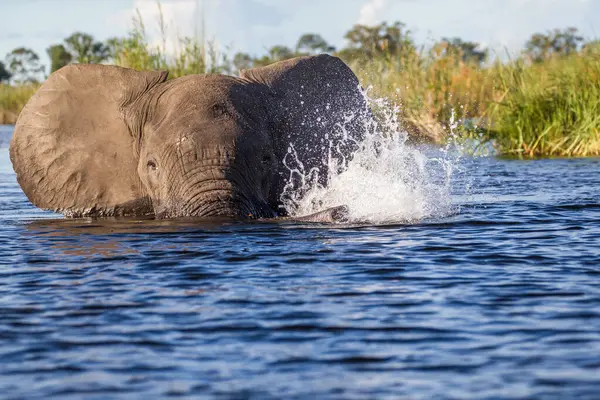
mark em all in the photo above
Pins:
pixel 177 16
pixel 180 19
pixel 370 12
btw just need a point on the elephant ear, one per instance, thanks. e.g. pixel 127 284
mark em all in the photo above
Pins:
pixel 72 148
pixel 319 110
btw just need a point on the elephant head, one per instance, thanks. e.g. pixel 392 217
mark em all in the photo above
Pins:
pixel 100 140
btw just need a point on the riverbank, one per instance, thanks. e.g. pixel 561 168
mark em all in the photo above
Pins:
pixel 550 108
pixel 12 101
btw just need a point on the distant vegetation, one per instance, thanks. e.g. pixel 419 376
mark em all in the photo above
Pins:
pixel 545 102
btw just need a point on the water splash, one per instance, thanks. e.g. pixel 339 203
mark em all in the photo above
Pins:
pixel 384 181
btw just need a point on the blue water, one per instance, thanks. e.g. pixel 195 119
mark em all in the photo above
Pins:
pixel 501 300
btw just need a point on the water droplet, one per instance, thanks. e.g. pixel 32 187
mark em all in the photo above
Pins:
pixel 383 181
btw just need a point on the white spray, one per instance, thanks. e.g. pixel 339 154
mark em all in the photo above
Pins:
pixel 384 181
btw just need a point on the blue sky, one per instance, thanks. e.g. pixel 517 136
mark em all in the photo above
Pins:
pixel 255 25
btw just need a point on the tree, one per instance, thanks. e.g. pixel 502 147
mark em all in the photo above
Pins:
pixel 311 43
pixel 85 50
pixel 114 46
pixel 24 65
pixel 59 57
pixel 242 61
pixel 133 51
pixel 382 39
pixel 4 74
pixel 557 43
pixel 466 51
pixel 280 53
pixel 276 53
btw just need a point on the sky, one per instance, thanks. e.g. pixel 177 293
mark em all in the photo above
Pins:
pixel 253 26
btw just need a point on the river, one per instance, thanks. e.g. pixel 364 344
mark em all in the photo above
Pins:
pixel 499 298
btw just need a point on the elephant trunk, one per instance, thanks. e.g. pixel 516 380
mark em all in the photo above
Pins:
pixel 227 203
pixel 214 197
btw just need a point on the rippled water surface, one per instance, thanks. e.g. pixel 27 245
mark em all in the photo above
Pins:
pixel 499 300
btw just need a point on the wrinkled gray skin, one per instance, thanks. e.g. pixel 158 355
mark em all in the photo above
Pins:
pixel 100 140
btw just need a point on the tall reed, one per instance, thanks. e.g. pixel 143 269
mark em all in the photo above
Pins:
pixel 549 109
pixel 524 109
pixel 430 89
pixel 190 55
pixel 13 99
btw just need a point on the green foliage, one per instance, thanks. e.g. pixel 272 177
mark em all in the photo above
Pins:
pixel 308 44
pixel 24 65
pixel 591 48
pixel 431 88
pixel 13 99
pixel 275 54
pixel 59 57
pixel 81 48
pixel 134 51
pixel 554 43
pixel 368 42
pixel 85 50
pixel 312 43
pixel 465 51
pixel 192 56
pixel 549 109
pixel 242 61
pixel 4 74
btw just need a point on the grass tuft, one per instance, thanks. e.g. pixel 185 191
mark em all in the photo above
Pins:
pixel 13 99
pixel 549 109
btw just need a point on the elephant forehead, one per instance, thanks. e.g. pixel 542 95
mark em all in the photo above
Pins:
pixel 217 103
pixel 201 92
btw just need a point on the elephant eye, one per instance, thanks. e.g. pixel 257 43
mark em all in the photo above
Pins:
pixel 152 165
pixel 267 159
pixel 219 110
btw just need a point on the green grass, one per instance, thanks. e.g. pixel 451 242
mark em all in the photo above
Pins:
pixel 430 90
pixel 549 109
pixel 12 101
pixel 525 110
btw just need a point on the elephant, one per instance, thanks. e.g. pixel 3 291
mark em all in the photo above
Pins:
pixel 102 140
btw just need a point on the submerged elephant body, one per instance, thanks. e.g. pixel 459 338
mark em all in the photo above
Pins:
pixel 101 140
